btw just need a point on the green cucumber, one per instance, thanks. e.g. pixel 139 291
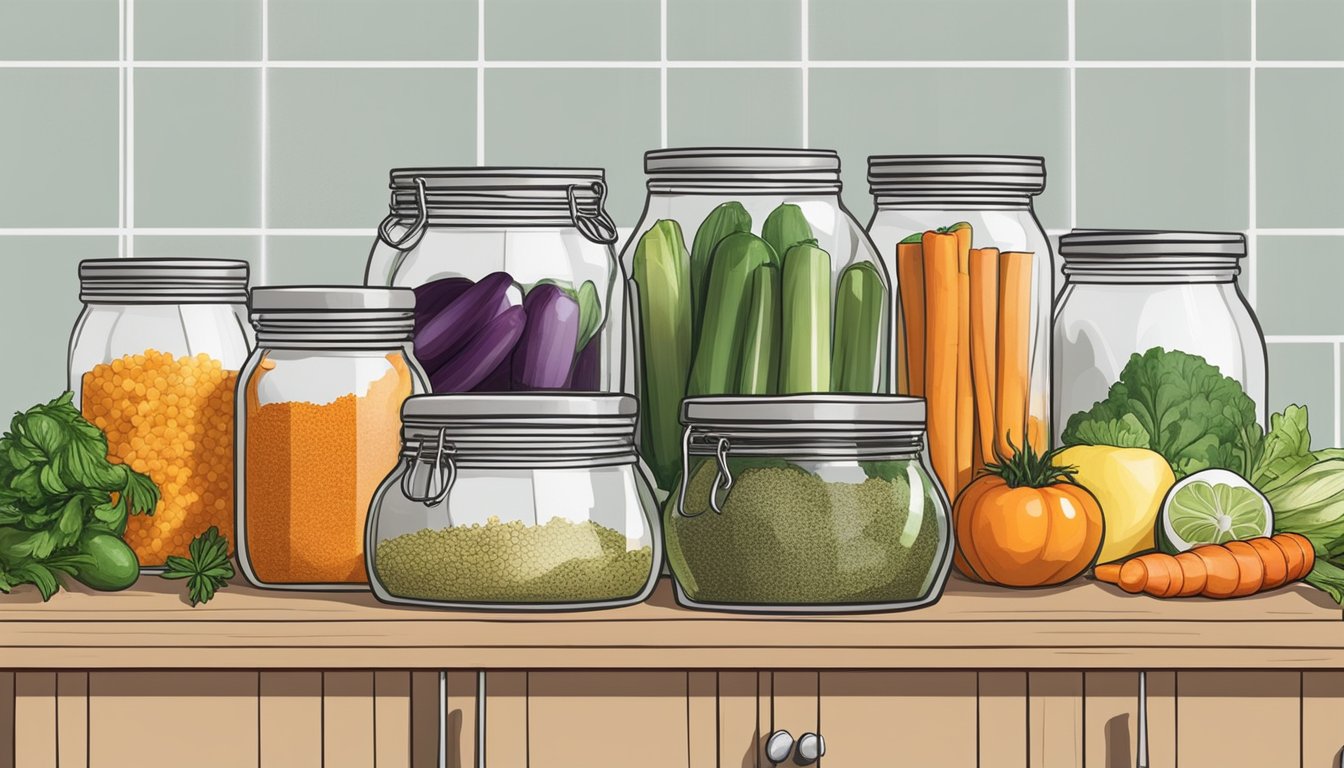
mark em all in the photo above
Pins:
pixel 724 220
pixel 760 348
pixel 855 355
pixel 805 355
pixel 717 369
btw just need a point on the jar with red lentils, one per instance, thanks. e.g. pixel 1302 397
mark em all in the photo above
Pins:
pixel 154 358
pixel 319 427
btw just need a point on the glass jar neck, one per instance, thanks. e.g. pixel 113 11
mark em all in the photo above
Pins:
pixel 954 201
pixel 1188 270
pixel 805 444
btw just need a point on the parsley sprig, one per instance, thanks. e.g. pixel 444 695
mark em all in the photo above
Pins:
pixel 207 570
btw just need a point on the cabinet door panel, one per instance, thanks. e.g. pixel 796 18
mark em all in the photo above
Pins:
pixel 177 703
pixel 291 718
pixel 910 718
pixel 1055 719
pixel 1003 719
pixel 606 719
pixel 793 706
pixel 1238 718
pixel 1111 719
pixel 1322 715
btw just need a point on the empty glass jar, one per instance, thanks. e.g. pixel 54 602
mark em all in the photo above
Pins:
pixel 1126 292
pixel 154 359
pixel 807 503
pixel 318 429
pixel 517 284
pixel 515 502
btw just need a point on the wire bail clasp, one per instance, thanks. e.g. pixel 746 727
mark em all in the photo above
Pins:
pixel 723 476
pixel 442 472
pixel 598 226
pixel 411 237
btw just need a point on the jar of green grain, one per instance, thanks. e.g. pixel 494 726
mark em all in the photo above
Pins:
pixel 515 502
pixel 807 504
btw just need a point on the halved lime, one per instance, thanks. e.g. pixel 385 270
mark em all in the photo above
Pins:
pixel 1214 506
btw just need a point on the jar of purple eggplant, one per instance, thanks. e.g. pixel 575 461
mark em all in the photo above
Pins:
pixel 516 281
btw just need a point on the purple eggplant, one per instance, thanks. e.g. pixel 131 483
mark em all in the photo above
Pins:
pixel 482 355
pixel 432 297
pixel 587 367
pixel 499 380
pixel 545 353
pixel 446 334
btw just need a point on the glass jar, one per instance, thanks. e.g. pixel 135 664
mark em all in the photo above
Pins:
pixel 710 320
pixel 1126 292
pixel 154 358
pixel 318 429
pixel 980 354
pixel 807 504
pixel 517 284
pixel 515 502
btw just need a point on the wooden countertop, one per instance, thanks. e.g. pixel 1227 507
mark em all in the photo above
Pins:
pixel 1083 625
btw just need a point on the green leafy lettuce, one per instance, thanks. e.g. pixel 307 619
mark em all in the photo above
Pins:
pixel 1180 406
pixel 56 482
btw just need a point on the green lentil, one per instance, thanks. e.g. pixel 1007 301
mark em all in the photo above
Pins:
pixel 558 562
pixel 788 537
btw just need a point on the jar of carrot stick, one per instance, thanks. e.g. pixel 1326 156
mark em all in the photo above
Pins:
pixel 975 285
pixel 154 358
pixel 318 429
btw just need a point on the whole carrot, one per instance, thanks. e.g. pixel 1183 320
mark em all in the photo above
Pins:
pixel 1234 569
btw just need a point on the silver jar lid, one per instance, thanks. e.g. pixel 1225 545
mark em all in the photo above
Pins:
pixel 1119 255
pixel 713 170
pixel 163 281
pixel 929 174
pixel 853 413
pixel 332 316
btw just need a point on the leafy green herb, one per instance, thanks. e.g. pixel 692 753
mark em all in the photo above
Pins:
pixel 1193 415
pixel 56 482
pixel 207 571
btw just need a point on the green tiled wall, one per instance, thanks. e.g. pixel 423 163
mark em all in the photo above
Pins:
pixel 263 129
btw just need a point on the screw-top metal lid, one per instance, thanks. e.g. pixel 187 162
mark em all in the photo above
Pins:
pixel 537 407
pixel 163 281
pixel 706 170
pixel 333 316
pixel 937 175
pixel 1118 255
pixel 853 412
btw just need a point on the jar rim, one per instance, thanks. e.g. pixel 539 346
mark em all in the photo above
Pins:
pixel 834 411
pixel 331 298
pixel 742 170
pixel 163 281
pixel 592 407
pixel 924 175
pixel 1151 255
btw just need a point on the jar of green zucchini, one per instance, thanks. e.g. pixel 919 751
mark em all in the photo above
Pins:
pixel 516 280
pixel 515 502
pixel 749 276
pixel 806 504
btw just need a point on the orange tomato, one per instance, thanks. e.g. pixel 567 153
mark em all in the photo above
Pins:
pixel 1024 536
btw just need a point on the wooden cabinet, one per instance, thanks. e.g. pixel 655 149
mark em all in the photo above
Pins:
pixel 988 678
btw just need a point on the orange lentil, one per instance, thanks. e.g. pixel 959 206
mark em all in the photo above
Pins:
pixel 311 473
pixel 193 483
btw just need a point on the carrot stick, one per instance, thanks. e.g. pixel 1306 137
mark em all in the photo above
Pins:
pixel 1234 569
pixel 941 336
pixel 910 279
pixel 965 391
pixel 1013 386
pixel 984 308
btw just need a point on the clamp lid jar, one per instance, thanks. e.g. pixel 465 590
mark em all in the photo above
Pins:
pixel 807 503
pixel 515 502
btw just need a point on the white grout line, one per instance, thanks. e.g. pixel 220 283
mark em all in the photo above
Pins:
pixel 121 126
pixel 805 55
pixel 128 225
pixel 263 255
pixel 662 73
pixel 675 64
pixel 1073 113
pixel 1339 418
pixel 480 82
pixel 1252 246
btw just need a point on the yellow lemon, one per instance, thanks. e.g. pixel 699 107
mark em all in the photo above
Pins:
pixel 1130 483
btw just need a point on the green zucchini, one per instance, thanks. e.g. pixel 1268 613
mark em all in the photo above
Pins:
pixel 805 355
pixel 724 220
pixel 727 305
pixel 855 356
pixel 760 347
pixel 785 227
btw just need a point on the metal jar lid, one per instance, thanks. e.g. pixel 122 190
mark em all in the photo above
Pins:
pixel 714 170
pixel 1121 255
pixel 813 412
pixel 332 316
pixel 925 174
pixel 163 281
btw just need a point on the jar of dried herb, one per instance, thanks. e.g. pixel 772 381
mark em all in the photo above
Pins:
pixel 808 504
pixel 318 429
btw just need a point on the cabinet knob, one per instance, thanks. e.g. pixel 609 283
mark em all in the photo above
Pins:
pixel 811 748
pixel 778 747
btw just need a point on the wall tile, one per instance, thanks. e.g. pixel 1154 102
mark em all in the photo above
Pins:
pixel 1163 148
pixel 58 148
pixel 1299 280
pixel 43 299
pixel 244 247
pixel 572 30
pixel 1018 111
pixel 359 30
pixel 1299 147
pixel 1164 30
pixel 728 107
pixel 1304 374
pixel 734 30
pixel 522 125
pixel 198 30
pixel 197 148
pixel 880 30
pixel 335 133
pixel 301 260
pixel 1299 30
pixel 59 30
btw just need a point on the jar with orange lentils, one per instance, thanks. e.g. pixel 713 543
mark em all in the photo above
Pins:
pixel 154 359
pixel 318 428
